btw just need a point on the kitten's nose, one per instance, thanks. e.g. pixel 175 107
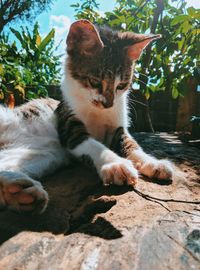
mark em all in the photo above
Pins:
pixel 109 97
pixel 108 104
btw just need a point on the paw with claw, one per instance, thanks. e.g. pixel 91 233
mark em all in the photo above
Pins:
pixel 158 169
pixel 119 172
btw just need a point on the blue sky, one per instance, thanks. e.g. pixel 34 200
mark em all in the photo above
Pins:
pixel 61 15
pixel 62 8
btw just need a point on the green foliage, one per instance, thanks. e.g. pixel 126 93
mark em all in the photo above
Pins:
pixel 19 9
pixel 173 59
pixel 32 66
pixel 86 9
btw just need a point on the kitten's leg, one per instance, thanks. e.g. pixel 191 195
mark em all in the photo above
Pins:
pixel 19 167
pixel 146 164
pixel 110 167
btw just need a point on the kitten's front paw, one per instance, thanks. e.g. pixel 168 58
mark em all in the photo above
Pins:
pixel 119 172
pixel 158 169
pixel 20 193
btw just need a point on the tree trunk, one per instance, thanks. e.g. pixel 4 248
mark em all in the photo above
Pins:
pixel 146 60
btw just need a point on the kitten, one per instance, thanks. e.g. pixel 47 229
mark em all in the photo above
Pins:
pixel 92 120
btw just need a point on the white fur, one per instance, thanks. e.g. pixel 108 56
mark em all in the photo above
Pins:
pixel 96 120
pixel 31 147
pixel 95 96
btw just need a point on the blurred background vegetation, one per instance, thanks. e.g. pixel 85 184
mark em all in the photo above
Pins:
pixel 30 66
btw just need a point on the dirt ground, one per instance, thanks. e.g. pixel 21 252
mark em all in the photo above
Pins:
pixel 89 226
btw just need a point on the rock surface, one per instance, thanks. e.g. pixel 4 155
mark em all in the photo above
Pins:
pixel 88 226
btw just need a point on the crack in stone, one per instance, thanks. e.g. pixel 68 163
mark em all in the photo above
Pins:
pixel 179 244
pixel 149 197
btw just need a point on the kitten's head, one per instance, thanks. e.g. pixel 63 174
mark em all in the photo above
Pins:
pixel 102 61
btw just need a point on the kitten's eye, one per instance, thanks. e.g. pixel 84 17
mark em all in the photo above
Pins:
pixel 94 83
pixel 122 86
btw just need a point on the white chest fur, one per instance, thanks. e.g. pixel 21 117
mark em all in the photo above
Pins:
pixel 99 122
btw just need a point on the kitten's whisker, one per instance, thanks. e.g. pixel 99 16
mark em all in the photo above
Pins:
pixel 137 90
pixel 132 107
pixel 134 113
pixel 140 73
pixel 110 72
pixel 139 102
pixel 141 82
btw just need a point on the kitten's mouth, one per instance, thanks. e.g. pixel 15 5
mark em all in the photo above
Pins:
pixel 100 105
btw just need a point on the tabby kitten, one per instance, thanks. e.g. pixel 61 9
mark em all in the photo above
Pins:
pixel 92 120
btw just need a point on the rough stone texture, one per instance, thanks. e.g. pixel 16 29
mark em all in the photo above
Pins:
pixel 88 226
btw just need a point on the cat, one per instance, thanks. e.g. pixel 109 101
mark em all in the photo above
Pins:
pixel 92 120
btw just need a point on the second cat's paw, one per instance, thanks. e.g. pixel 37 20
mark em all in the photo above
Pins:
pixel 119 172
pixel 20 193
pixel 158 169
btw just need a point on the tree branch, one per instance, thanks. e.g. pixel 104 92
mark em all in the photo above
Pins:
pixel 14 9
pixel 140 8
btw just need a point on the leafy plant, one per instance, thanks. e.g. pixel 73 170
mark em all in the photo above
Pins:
pixel 30 67
pixel 86 9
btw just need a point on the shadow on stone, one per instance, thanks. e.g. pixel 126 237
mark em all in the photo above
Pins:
pixel 101 228
pixel 164 182
pixel 76 197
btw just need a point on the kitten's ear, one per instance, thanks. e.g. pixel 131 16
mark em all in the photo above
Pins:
pixel 83 38
pixel 140 43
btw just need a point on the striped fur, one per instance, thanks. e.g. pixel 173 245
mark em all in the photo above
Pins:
pixel 71 130
pixel 90 123
pixel 122 143
pixel 36 108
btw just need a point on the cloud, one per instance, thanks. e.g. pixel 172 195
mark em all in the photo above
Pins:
pixel 60 20
pixel 101 13
pixel 193 3
pixel 61 24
